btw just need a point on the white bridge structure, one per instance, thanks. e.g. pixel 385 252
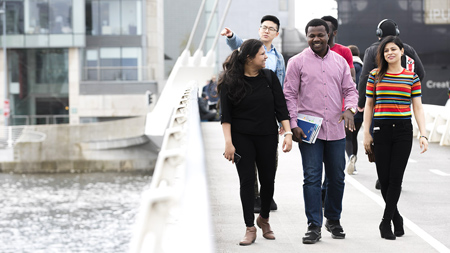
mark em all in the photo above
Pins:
pixel 177 200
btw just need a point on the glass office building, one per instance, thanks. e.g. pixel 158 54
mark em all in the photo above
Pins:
pixel 76 61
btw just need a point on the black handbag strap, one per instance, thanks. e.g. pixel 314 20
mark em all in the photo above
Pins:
pixel 268 74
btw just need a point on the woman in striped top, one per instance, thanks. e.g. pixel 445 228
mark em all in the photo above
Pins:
pixel 390 106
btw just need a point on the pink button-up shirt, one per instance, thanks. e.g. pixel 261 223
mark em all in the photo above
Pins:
pixel 315 86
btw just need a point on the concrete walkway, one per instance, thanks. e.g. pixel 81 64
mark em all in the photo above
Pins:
pixel 363 209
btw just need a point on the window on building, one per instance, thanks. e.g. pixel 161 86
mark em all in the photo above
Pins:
pixel 48 16
pixel 110 17
pixel 38 85
pixel 113 64
pixel 38 17
pixel 14 18
pixel 131 17
pixel 113 17
pixel 60 16
pixel 110 64
pixel 92 18
pixel 131 60
pixel 51 66
pixel 92 64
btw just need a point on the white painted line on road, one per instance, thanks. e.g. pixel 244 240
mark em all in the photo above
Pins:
pixel 440 173
pixel 412 161
pixel 411 225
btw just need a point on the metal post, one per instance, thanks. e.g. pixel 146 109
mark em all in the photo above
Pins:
pixel 5 68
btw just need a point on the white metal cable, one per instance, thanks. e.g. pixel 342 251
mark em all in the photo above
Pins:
pixel 213 11
pixel 222 21
pixel 197 19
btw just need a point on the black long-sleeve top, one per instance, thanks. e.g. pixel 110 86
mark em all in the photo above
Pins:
pixel 255 114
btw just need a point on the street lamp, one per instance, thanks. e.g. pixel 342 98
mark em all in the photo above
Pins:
pixel 5 68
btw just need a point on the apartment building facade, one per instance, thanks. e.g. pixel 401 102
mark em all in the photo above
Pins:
pixel 79 61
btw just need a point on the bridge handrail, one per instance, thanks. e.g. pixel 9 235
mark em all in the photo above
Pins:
pixel 177 200
pixel 10 135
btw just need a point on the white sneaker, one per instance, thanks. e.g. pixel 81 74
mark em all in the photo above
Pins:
pixel 351 165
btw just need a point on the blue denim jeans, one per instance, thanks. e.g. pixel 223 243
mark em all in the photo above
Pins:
pixel 332 154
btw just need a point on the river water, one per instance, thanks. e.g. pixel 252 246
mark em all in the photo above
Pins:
pixel 92 212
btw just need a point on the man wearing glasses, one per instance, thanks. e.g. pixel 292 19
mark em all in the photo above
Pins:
pixel 268 31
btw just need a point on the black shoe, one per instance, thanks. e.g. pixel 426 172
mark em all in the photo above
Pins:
pixel 377 185
pixel 335 228
pixel 313 235
pixel 273 206
pixel 386 230
pixel 398 225
pixel 257 206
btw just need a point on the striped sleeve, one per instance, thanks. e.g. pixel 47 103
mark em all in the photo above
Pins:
pixel 416 89
pixel 370 84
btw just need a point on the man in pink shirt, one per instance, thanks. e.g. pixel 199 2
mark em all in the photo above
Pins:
pixel 316 81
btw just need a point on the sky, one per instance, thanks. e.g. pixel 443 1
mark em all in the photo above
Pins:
pixel 305 10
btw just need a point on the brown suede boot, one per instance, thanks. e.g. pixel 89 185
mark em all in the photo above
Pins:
pixel 265 226
pixel 250 236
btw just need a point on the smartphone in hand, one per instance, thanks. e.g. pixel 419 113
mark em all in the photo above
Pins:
pixel 237 158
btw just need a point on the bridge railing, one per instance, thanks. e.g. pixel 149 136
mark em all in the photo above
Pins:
pixel 11 135
pixel 174 214
pixel 174 211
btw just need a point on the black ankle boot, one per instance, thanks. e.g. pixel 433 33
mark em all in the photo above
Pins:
pixel 398 225
pixel 386 230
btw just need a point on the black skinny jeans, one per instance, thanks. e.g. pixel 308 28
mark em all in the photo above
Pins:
pixel 259 149
pixel 351 140
pixel 393 143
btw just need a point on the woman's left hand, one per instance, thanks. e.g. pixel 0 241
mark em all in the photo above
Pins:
pixel 281 131
pixel 423 144
pixel 367 141
pixel 287 143
pixel 229 152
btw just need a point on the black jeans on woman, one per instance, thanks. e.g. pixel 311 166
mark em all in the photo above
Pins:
pixel 393 143
pixel 259 149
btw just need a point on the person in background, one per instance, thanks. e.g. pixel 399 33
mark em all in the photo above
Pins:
pixel 390 91
pixel 351 138
pixel 250 99
pixel 205 113
pixel 336 47
pixel 268 31
pixel 317 80
pixel 211 92
pixel 410 61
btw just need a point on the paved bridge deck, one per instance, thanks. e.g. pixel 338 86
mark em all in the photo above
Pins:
pixel 362 206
